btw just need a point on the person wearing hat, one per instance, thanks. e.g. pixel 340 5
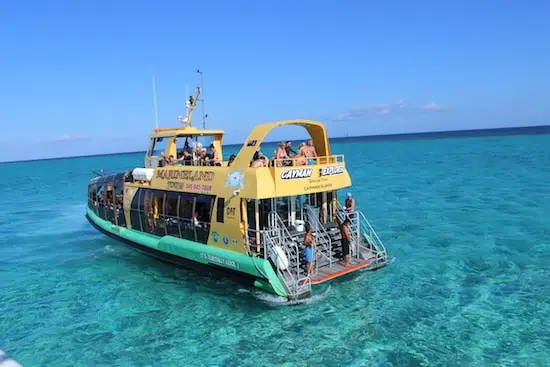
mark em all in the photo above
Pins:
pixel 350 203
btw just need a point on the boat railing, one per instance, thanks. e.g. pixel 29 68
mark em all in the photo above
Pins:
pixel 308 161
pixel 158 161
pixel 373 236
pixel 262 243
pixel 285 273
pixel 361 227
pixel 301 284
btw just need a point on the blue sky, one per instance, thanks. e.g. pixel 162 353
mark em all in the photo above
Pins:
pixel 76 75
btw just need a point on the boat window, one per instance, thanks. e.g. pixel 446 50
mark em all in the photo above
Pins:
pixel 203 212
pixel 145 208
pixel 158 147
pixel 186 206
pixel 135 211
pixel 221 204
pixel 157 214
pixel 251 213
pixel 171 213
pixel 92 197
pixel 119 199
pixel 109 203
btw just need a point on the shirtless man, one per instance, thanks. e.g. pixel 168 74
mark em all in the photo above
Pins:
pixel 309 151
pixel 346 239
pixel 308 250
pixel 350 203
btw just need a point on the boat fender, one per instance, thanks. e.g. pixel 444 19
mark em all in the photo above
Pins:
pixel 279 258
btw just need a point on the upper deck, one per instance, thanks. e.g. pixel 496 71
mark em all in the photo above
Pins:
pixel 281 177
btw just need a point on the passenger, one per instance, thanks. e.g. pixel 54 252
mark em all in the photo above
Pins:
pixel 213 158
pixel 168 161
pixel 231 159
pixel 259 160
pixel 346 239
pixel 196 222
pixel 187 159
pixel 308 250
pixel 300 159
pixel 280 154
pixel 202 157
pixel 309 151
pixel 350 203
pixel 288 148
pixel 301 146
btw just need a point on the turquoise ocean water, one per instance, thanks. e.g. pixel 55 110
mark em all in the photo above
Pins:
pixel 467 221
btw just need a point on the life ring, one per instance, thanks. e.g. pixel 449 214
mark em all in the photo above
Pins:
pixel 279 257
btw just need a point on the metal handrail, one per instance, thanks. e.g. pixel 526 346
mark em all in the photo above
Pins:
pixel 377 241
pixel 293 288
pixel 358 220
pixel 286 235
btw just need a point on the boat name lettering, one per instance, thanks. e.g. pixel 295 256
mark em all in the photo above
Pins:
pixel 185 175
pixel 318 187
pixel 174 185
pixel 332 170
pixel 291 174
pixel 219 260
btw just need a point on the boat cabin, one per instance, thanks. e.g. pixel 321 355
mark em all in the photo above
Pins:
pixel 172 143
pixel 222 203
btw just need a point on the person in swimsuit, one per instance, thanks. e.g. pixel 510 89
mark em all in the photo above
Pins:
pixel 280 154
pixel 346 239
pixel 308 251
pixel 310 151
pixel 350 203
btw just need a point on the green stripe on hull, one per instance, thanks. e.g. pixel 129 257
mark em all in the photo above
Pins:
pixel 200 253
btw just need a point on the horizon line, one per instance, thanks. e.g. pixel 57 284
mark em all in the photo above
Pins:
pixel 521 130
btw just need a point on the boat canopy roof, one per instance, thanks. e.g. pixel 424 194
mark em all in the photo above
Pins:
pixel 316 131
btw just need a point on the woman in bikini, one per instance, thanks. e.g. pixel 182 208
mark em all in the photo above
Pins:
pixel 281 154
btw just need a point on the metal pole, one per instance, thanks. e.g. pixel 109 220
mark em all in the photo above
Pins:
pixel 202 101
pixel 155 103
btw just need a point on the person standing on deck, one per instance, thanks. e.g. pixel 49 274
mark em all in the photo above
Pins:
pixel 350 204
pixel 308 251
pixel 346 239
pixel 310 151
pixel 289 151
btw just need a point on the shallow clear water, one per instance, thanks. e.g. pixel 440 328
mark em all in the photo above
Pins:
pixel 466 220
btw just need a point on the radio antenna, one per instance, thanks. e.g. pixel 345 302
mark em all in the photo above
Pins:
pixel 155 103
pixel 204 115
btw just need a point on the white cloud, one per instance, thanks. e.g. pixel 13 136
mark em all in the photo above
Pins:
pixel 68 137
pixel 387 109
pixel 432 106
pixel 373 109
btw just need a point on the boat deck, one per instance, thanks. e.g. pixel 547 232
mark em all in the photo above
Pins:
pixel 338 269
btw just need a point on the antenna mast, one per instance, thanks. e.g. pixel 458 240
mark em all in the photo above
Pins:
pixel 204 115
pixel 191 104
pixel 155 103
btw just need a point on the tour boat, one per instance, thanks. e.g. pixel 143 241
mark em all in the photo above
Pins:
pixel 246 222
